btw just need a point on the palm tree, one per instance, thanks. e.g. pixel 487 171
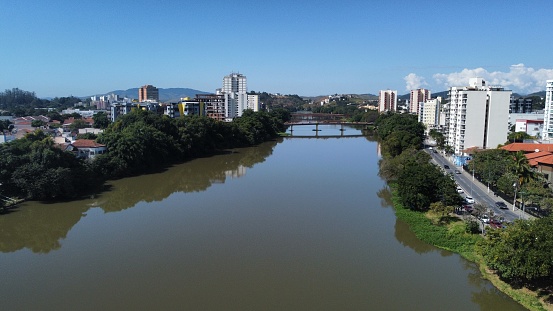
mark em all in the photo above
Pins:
pixel 522 168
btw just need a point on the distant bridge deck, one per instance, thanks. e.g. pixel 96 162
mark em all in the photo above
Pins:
pixel 327 122
pixel 325 136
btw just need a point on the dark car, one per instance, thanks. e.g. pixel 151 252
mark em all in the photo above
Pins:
pixel 496 224
pixel 446 166
pixel 467 208
pixel 501 205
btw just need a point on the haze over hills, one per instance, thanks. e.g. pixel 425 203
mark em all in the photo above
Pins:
pixel 165 95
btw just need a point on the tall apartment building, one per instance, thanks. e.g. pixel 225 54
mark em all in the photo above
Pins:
pixel 429 113
pixel 235 92
pixel 548 112
pixel 253 102
pixel 387 101
pixel 477 116
pixel 417 97
pixel 148 93
pixel 234 83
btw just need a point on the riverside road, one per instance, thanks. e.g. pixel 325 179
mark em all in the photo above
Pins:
pixel 474 188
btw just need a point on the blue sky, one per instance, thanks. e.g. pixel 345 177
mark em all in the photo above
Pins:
pixel 81 48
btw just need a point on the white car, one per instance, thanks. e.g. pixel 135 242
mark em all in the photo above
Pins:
pixel 469 200
pixel 459 190
pixel 485 219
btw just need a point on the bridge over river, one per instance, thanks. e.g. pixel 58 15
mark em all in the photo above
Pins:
pixel 299 119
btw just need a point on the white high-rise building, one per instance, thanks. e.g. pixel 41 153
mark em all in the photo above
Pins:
pixel 387 101
pixel 234 83
pixel 429 113
pixel 253 102
pixel 548 112
pixel 236 98
pixel 477 116
pixel 417 97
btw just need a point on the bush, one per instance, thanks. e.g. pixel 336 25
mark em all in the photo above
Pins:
pixel 472 226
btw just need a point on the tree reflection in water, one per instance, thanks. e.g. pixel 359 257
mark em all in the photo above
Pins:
pixel 40 227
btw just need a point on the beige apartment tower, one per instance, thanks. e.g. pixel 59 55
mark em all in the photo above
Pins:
pixel 148 93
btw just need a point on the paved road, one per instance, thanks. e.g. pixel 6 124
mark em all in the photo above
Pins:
pixel 474 188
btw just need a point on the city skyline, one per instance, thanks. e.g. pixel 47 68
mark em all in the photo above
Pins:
pixel 63 48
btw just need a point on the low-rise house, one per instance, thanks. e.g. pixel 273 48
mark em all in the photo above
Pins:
pixel 88 148
pixel 540 157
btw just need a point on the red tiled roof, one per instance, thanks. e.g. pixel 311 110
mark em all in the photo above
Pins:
pixel 471 150
pixel 545 160
pixel 535 155
pixel 87 143
pixel 528 147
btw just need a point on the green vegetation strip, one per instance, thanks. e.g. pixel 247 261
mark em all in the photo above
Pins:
pixel 452 237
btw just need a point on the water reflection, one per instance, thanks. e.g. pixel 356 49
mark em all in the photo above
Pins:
pixel 40 227
pixel 197 175
pixel 385 196
pixel 406 237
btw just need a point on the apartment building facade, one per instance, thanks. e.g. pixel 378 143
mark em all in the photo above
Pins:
pixel 416 98
pixel 429 113
pixel 234 90
pixel 476 116
pixel 547 133
pixel 148 93
pixel 387 101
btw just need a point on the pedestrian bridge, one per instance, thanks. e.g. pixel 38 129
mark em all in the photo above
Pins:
pixel 299 119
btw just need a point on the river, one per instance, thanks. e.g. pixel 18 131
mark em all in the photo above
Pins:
pixel 293 224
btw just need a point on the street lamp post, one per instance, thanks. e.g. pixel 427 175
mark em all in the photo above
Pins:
pixel 515 199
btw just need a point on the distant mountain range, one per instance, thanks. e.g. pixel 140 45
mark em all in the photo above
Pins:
pixel 165 95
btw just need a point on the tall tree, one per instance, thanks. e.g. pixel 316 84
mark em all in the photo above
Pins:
pixel 101 120
pixel 521 251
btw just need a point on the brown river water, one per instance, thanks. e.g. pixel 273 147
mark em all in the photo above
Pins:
pixel 293 224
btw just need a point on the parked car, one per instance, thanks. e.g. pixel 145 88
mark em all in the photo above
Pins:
pixel 496 224
pixel 485 219
pixel 457 172
pixel 459 190
pixel 446 166
pixel 468 208
pixel 469 200
pixel 501 205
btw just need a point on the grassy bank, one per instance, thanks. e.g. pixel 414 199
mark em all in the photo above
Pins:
pixel 449 233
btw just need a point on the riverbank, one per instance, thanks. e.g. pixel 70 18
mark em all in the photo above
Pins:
pixel 449 234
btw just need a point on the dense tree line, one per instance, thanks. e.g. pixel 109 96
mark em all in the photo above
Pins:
pixel 142 141
pixel 419 182
pixel 34 168
pixel 23 103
